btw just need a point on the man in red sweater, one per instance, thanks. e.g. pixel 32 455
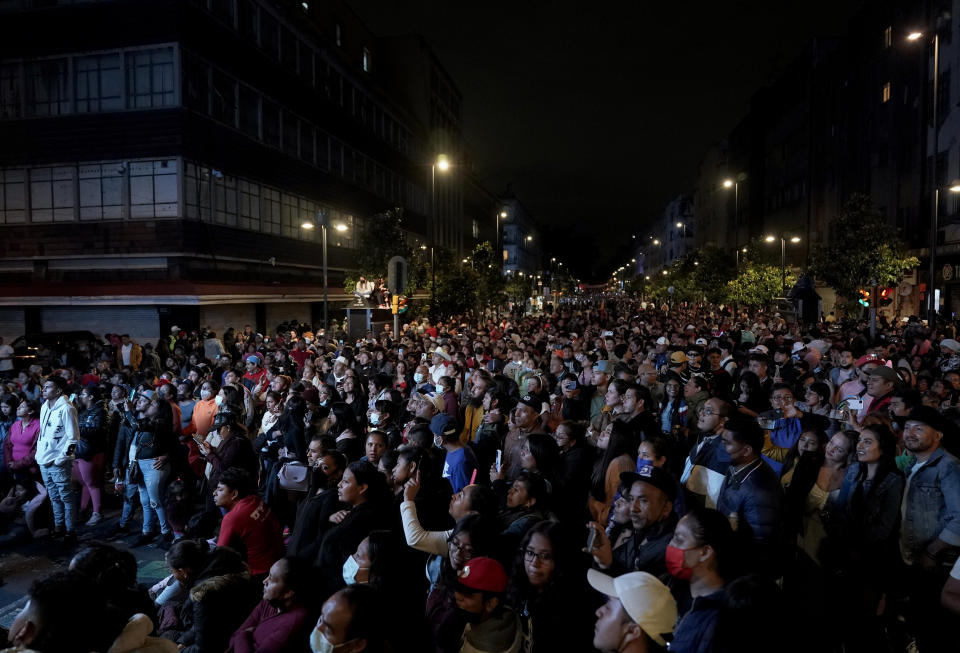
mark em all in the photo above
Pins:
pixel 249 525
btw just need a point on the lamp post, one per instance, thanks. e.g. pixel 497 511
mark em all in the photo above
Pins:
pixel 935 194
pixel 783 257
pixel 443 164
pixel 321 220
pixel 738 250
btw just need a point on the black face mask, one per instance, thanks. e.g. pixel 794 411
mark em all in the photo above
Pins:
pixel 469 617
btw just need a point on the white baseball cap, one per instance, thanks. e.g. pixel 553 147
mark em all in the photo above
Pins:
pixel 662 341
pixel 648 601
pixel 701 341
pixel 760 349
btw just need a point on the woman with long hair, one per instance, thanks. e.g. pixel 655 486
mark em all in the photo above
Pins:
pixel 548 569
pixel 343 425
pixel 92 421
pixel 617 455
pixel 868 513
pixel 673 407
pixel 752 400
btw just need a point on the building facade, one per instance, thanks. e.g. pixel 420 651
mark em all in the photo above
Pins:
pixel 161 159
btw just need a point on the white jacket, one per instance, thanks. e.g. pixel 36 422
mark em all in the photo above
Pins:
pixel 58 430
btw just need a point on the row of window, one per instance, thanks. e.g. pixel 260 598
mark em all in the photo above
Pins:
pixel 89 191
pixel 141 78
pixel 213 92
pixel 211 196
pixel 254 23
pixel 117 190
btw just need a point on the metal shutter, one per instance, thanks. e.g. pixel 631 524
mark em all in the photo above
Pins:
pixel 141 322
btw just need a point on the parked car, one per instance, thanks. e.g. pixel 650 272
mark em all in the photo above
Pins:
pixel 30 348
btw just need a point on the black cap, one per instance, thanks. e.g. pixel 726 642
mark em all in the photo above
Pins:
pixel 655 476
pixel 533 402
pixel 929 416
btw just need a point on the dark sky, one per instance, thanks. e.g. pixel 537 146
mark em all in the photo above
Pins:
pixel 599 112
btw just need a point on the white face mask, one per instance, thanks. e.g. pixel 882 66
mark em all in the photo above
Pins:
pixel 320 644
pixel 418 378
pixel 218 399
pixel 350 569
pixel 374 418
pixel 205 394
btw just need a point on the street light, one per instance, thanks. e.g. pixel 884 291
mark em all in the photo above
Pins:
pixel 321 220
pixel 443 163
pixel 783 256
pixel 744 250
pixel 914 36
pixel 734 183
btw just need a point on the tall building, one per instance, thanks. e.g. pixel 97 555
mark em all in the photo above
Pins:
pixel 522 248
pixel 167 162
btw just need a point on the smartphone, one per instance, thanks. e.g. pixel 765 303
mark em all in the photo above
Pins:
pixel 591 539
pixel 499 459
pixel 855 404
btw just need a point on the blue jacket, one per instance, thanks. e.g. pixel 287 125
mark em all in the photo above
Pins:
pixel 931 509
pixel 750 498
pixel 705 471
pixel 694 631
pixel 785 433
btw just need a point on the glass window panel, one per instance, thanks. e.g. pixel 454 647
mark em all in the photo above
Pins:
pixel 48 88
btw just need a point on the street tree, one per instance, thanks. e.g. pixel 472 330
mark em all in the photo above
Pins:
pixel 757 285
pixel 862 250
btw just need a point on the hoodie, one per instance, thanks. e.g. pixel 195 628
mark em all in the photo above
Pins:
pixel 498 634
pixel 58 430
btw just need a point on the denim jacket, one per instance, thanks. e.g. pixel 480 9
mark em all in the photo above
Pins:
pixel 931 508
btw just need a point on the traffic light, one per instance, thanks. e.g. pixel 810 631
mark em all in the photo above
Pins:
pixel 864 297
pixel 886 297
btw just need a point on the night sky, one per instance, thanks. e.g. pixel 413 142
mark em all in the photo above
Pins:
pixel 599 112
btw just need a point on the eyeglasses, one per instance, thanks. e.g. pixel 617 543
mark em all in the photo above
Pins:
pixel 530 555
pixel 780 397
pixel 465 549
pixel 708 412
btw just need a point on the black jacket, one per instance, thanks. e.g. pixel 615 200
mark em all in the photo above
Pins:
pixel 646 549
pixel 572 485
pixel 93 429
pixel 312 523
pixel 237 451
pixel 342 540
pixel 217 606
pixel 152 438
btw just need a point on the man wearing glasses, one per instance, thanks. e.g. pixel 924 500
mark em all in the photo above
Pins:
pixel 55 453
pixel 784 424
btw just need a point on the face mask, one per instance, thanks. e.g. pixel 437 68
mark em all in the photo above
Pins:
pixel 674 560
pixel 350 569
pixel 374 418
pixel 205 394
pixel 324 402
pixel 320 644
pixel 418 378
pixel 438 442
pixel 218 400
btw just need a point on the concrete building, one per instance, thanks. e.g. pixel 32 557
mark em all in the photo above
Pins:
pixel 160 159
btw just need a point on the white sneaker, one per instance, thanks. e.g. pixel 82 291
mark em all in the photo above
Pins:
pixel 94 519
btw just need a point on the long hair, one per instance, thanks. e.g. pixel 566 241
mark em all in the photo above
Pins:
pixel 567 565
pixel 621 442
pixel 346 419
pixel 861 502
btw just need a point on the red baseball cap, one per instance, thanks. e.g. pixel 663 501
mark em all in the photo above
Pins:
pixel 868 358
pixel 483 575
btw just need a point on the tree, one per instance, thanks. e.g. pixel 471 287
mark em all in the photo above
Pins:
pixel 757 285
pixel 713 270
pixel 862 250
pixel 490 281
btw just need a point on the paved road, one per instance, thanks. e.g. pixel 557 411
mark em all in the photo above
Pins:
pixel 23 563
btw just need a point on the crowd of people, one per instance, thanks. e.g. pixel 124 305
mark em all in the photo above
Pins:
pixel 611 476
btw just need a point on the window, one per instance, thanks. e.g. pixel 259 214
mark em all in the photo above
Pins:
pixel 224 106
pixel 249 107
pixel 10 91
pixel 48 89
pixel 225 200
pixel 154 189
pixel 271 211
pixel 887 37
pixel 306 142
pixel 197 84
pixel 306 63
pixel 475 228
pixel 101 191
pixel 249 205
pixel 99 83
pixel 366 59
pixel 150 78
pixel 247 19
pixel 885 93
pixel 291 216
pixel 13 196
pixel 288 49
pixel 271 123
pixel 269 35
pixel 291 134
pixel 51 194
pixel 337 34
pixel 223 9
